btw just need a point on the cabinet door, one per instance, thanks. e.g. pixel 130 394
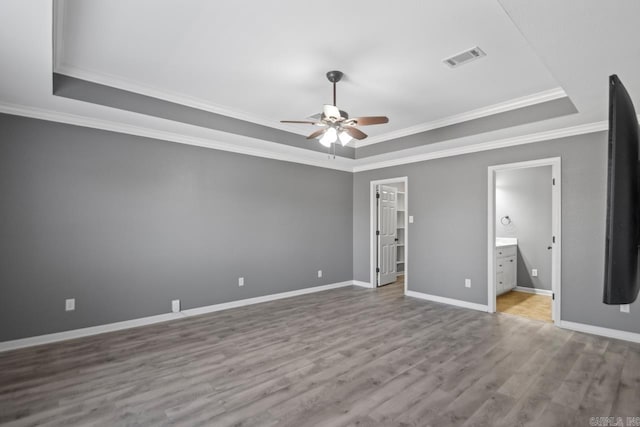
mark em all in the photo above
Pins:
pixel 500 283
pixel 509 271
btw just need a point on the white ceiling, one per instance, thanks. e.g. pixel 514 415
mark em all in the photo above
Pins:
pixel 266 61
pixel 580 42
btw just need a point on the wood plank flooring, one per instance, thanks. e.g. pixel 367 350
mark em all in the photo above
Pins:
pixel 344 357
pixel 524 304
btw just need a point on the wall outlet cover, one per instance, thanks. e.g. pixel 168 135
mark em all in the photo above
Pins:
pixel 410 219
pixel 467 283
pixel 624 308
pixel 240 281
pixel 175 306
pixel 534 272
pixel 319 273
pixel 70 304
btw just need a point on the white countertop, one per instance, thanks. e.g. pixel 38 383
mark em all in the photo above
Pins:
pixel 506 241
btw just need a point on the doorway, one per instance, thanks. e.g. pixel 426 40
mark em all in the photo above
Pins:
pixel 524 239
pixel 388 231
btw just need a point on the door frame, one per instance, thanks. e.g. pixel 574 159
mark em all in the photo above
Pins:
pixel 556 224
pixel 373 243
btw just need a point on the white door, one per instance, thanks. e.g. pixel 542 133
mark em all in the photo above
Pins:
pixel 387 237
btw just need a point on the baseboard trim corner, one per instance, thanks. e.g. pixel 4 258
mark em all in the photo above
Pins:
pixel 598 330
pixel 362 284
pixel 534 291
pixel 144 321
pixel 450 301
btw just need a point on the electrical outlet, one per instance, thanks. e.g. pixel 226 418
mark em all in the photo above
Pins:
pixel 319 273
pixel 175 305
pixel 70 304
pixel 240 281
pixel 624 308
pixel 534 272
pixel 467 283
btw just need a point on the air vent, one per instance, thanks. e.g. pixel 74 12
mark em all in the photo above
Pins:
pixel 464 57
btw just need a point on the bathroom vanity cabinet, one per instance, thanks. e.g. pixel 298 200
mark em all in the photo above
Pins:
pixel 506 270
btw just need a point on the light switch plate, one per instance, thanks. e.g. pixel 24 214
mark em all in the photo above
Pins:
pixel 240 281
pixel 534 272
pixel 410 219
pixel 624 308
pixel 70 304
pixel 319 273
pixel 467 283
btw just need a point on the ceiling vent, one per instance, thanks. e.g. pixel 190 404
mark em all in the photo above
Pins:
pixel 464 57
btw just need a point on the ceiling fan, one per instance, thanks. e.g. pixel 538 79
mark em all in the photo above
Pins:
pixel 336 124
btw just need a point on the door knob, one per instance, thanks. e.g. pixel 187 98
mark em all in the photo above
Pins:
pixel 548 247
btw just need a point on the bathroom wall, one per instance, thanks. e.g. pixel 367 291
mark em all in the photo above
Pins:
pixel 525 196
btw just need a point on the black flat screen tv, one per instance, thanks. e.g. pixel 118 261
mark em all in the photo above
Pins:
pixel 623 219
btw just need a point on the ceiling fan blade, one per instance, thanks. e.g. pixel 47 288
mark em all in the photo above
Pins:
pixel 355 132
pixel 331 111
pixel 373 120
pixel 317 133
pixel 299 121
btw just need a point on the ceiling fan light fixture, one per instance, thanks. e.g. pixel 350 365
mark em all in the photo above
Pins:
pixel 329 137
pixel 344 138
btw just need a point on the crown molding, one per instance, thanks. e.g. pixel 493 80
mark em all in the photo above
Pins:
pixel 223 141
pixel 153 92
pixel 513 104
pixel 485 146
pixel 272 150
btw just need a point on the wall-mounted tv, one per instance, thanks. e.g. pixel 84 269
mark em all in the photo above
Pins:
pixel 623 217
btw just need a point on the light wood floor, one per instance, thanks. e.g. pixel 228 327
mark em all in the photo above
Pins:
pixel 532 306
pixel 345 357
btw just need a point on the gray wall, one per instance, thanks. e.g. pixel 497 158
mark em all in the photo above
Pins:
pixel 448 241
pixel 125 224
pixel 525 196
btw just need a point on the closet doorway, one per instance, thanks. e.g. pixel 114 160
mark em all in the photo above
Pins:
pixel 389 239
pixel 524 239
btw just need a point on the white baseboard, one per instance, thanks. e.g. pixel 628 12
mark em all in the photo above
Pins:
pixel 597 330
pixel 362 284
pixel 533 291
pixel 143 321
pixel 450 301
pixel 257 300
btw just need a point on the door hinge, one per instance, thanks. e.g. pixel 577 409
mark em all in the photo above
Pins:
pixel 377 232
pixel 553 296
pixel 377 269
pixel 553 181
pixel 554 239
pixel 377 195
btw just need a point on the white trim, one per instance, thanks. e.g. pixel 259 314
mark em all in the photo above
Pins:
pixel 362 284
pixel 127 324
pixel 513 104
pixel 534 291
pixel 556 229
pixel 450 301
pixel 234 143
pixel 184 100
pixel 266 298
pixel 597 330
pixel 290 153
pixel 372 229
pixel 85 332
pixel 485 146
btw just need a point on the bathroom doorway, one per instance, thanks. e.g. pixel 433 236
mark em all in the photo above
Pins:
pixel 524 239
